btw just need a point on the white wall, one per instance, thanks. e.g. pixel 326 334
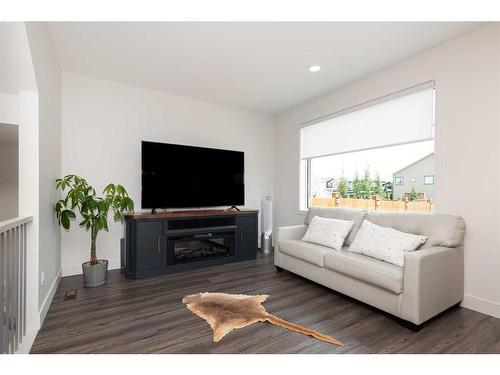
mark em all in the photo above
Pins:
pixel 9 180
pixel 104 123
pixel 9 157
pixel 19 105
pixel 29 205
pixel 9 108
pixel 48 77
pixel 16 68
pixel 467 76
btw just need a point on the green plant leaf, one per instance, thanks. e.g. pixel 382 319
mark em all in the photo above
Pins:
pixel 103 206
pixel 104 223
pixel 109 189
pixel 123 204
pixel 117 202
pixel 79 195
pixel 127 204
pixel 65 221
pixel 59 206
pixel 92 203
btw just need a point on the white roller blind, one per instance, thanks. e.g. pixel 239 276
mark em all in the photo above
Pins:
pixel 407 118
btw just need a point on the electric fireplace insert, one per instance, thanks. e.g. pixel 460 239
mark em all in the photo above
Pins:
pixel 200 246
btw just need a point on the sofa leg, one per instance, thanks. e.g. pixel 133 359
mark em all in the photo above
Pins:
pixel 279 269
pixel 411 326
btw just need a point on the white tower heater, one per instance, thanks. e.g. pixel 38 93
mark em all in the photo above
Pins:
pixel 266 223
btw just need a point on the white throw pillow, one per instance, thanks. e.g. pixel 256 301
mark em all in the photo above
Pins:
pixel 387 244
pixel 328 232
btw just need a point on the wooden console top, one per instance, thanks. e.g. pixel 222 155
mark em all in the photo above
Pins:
pixel 187 213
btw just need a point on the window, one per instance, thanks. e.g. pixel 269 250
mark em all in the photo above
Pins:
pixel 428 180
pixel 360 157
pixel 399 180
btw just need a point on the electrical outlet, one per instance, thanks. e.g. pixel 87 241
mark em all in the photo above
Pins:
pixel 43 277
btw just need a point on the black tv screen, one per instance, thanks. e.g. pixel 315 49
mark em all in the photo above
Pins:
pixel 178 176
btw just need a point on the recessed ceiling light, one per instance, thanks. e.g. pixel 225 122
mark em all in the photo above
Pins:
pixel 314 68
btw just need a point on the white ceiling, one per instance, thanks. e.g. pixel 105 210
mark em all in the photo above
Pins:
pixel 262 67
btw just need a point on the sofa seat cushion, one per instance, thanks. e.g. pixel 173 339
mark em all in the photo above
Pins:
pixel 309 252
pixel 382 274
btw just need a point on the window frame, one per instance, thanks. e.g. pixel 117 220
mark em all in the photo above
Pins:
pixel 433 179
pixel 402 180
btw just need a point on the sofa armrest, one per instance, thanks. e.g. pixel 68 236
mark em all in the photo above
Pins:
pixel 293 232
pixel 433 280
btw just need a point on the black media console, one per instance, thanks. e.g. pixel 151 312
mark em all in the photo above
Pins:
pixel 183 240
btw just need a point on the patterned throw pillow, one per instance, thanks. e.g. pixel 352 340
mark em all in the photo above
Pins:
pixel 328 232
pixel 387 244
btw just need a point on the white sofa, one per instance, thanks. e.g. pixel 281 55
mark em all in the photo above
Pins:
pixel 431 280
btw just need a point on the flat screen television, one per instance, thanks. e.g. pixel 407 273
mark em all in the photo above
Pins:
pixel 179 176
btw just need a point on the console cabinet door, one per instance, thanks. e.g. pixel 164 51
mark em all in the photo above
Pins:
pixel 149 244
pixel 248 234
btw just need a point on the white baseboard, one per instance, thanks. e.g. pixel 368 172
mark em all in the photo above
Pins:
pixel 27 343
pixel 29 339
pixel 50 296
pixel 76 269
pixel 481 305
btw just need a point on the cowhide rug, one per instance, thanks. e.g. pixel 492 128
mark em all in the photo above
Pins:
pixel 225 312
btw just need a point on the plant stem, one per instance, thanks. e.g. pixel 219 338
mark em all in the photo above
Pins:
pixel 93 239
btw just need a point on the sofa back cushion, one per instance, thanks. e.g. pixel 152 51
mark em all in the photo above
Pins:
pixel 441 229
pixel 351 214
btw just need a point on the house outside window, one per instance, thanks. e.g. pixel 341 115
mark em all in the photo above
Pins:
pixel 414 179
pixel 363 157
pixel 429 180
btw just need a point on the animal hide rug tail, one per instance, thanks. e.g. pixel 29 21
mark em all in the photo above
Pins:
pixel 226 312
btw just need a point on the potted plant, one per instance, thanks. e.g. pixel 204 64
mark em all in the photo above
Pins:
pixel 81 198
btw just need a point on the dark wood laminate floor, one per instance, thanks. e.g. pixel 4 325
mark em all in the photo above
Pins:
pixel 147 316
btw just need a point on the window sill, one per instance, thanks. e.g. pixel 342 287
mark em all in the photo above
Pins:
pixel 302 212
